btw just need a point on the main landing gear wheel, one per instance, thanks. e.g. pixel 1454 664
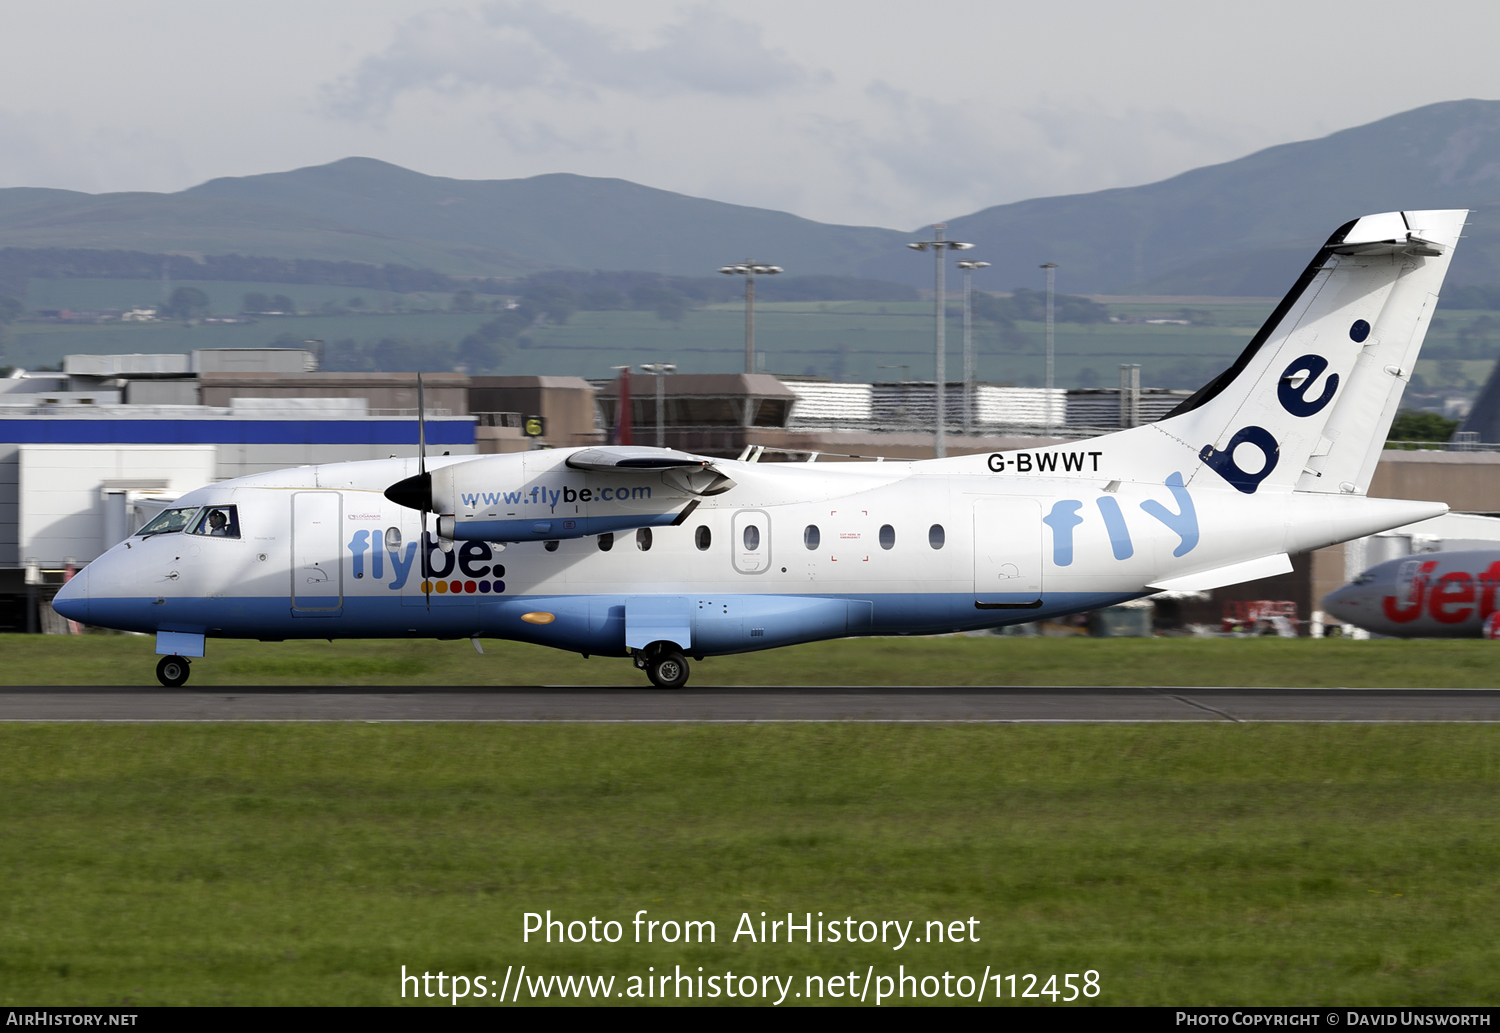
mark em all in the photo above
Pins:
pixel 668 670
pixel 172 671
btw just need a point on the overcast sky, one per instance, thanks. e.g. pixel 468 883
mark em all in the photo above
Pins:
pixel 886 112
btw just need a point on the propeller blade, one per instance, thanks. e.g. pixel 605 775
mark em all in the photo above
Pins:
pixel 421 429
pixel 427 483
pixel 415 492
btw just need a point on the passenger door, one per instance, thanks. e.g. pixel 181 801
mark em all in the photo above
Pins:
pixel 317 587
pixel 1007 554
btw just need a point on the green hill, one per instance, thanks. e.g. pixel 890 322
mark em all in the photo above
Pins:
pixel 561 220
pixel 1242 228
pixel 1247 227
pixel 363 210
pixel 179 223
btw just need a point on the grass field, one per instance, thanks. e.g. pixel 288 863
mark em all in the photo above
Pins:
pixel 305 864
pixel 225 297
pixel 45 344
pixel 841 340
pixel 950 660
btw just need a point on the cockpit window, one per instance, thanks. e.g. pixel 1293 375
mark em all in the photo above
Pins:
pixel 1364 579
pixel 218 522
pixel 169 520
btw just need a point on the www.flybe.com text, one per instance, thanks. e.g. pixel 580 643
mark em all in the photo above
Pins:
pixel 551 497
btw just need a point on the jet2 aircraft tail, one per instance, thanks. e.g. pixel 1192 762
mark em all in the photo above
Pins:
pixel 1309 402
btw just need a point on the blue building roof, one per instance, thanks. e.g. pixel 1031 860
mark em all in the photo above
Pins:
pixel 63 430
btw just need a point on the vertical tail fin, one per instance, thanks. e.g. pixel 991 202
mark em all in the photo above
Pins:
pixel 1309 402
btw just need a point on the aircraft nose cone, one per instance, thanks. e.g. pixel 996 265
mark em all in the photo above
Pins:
pixel 413 493
pixel 1341 602
pixel 72 600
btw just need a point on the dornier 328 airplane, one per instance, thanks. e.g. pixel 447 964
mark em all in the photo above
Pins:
pixel 658 555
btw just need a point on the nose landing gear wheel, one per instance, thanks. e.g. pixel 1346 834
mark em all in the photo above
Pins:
pixel 668 670
pixel 172 671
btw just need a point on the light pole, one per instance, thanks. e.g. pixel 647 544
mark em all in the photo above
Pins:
pixel 968 267
pixel 661 369
pixel 620 434
pixel 937 246
pixel 1051 268
pixel 750 270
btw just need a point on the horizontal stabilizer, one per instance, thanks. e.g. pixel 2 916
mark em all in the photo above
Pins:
pixel 1232 574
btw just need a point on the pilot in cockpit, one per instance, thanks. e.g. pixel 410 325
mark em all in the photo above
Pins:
pixel 218 523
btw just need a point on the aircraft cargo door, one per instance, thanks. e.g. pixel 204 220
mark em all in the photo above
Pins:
pixel 317 570
pixel 1007 554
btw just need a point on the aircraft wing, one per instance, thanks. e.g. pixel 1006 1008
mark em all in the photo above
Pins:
pixel 613 458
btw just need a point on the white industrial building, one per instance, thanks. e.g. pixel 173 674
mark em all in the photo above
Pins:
pixel 912 405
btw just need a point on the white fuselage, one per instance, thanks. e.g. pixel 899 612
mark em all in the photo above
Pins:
pixel 1431 595
pixel 618 549
pixel 790 553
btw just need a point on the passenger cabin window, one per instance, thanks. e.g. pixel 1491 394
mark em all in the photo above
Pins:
pixel 752 538
pixel 168 521
pixel 393 538
pixel 935 536
pixel 811 536
pixel 218 522
pixel 887 536
pixel 703 538
pixel 643 539
pixel 606 541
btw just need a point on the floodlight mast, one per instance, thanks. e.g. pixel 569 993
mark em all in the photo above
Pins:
pixel 661 369
pixel 750 270
pixel 1051 268
pixel 938 245
pixel 968 267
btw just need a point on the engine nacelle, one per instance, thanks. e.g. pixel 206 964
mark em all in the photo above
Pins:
pixel 557 493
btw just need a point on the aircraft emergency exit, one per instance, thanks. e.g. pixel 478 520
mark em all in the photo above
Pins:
pixel 659 555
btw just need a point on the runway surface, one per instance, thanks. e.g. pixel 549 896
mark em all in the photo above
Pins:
pixel 1029 705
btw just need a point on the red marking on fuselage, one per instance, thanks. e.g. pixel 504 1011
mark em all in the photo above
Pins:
pixel 1487 584
pixel 1452 589
pixel 1413 609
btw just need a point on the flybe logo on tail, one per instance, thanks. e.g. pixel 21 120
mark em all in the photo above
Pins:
pixel 1292 390
pixel 550 497
pixel 1224 464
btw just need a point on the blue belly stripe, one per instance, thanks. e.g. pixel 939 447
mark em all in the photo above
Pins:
pixel 721 624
